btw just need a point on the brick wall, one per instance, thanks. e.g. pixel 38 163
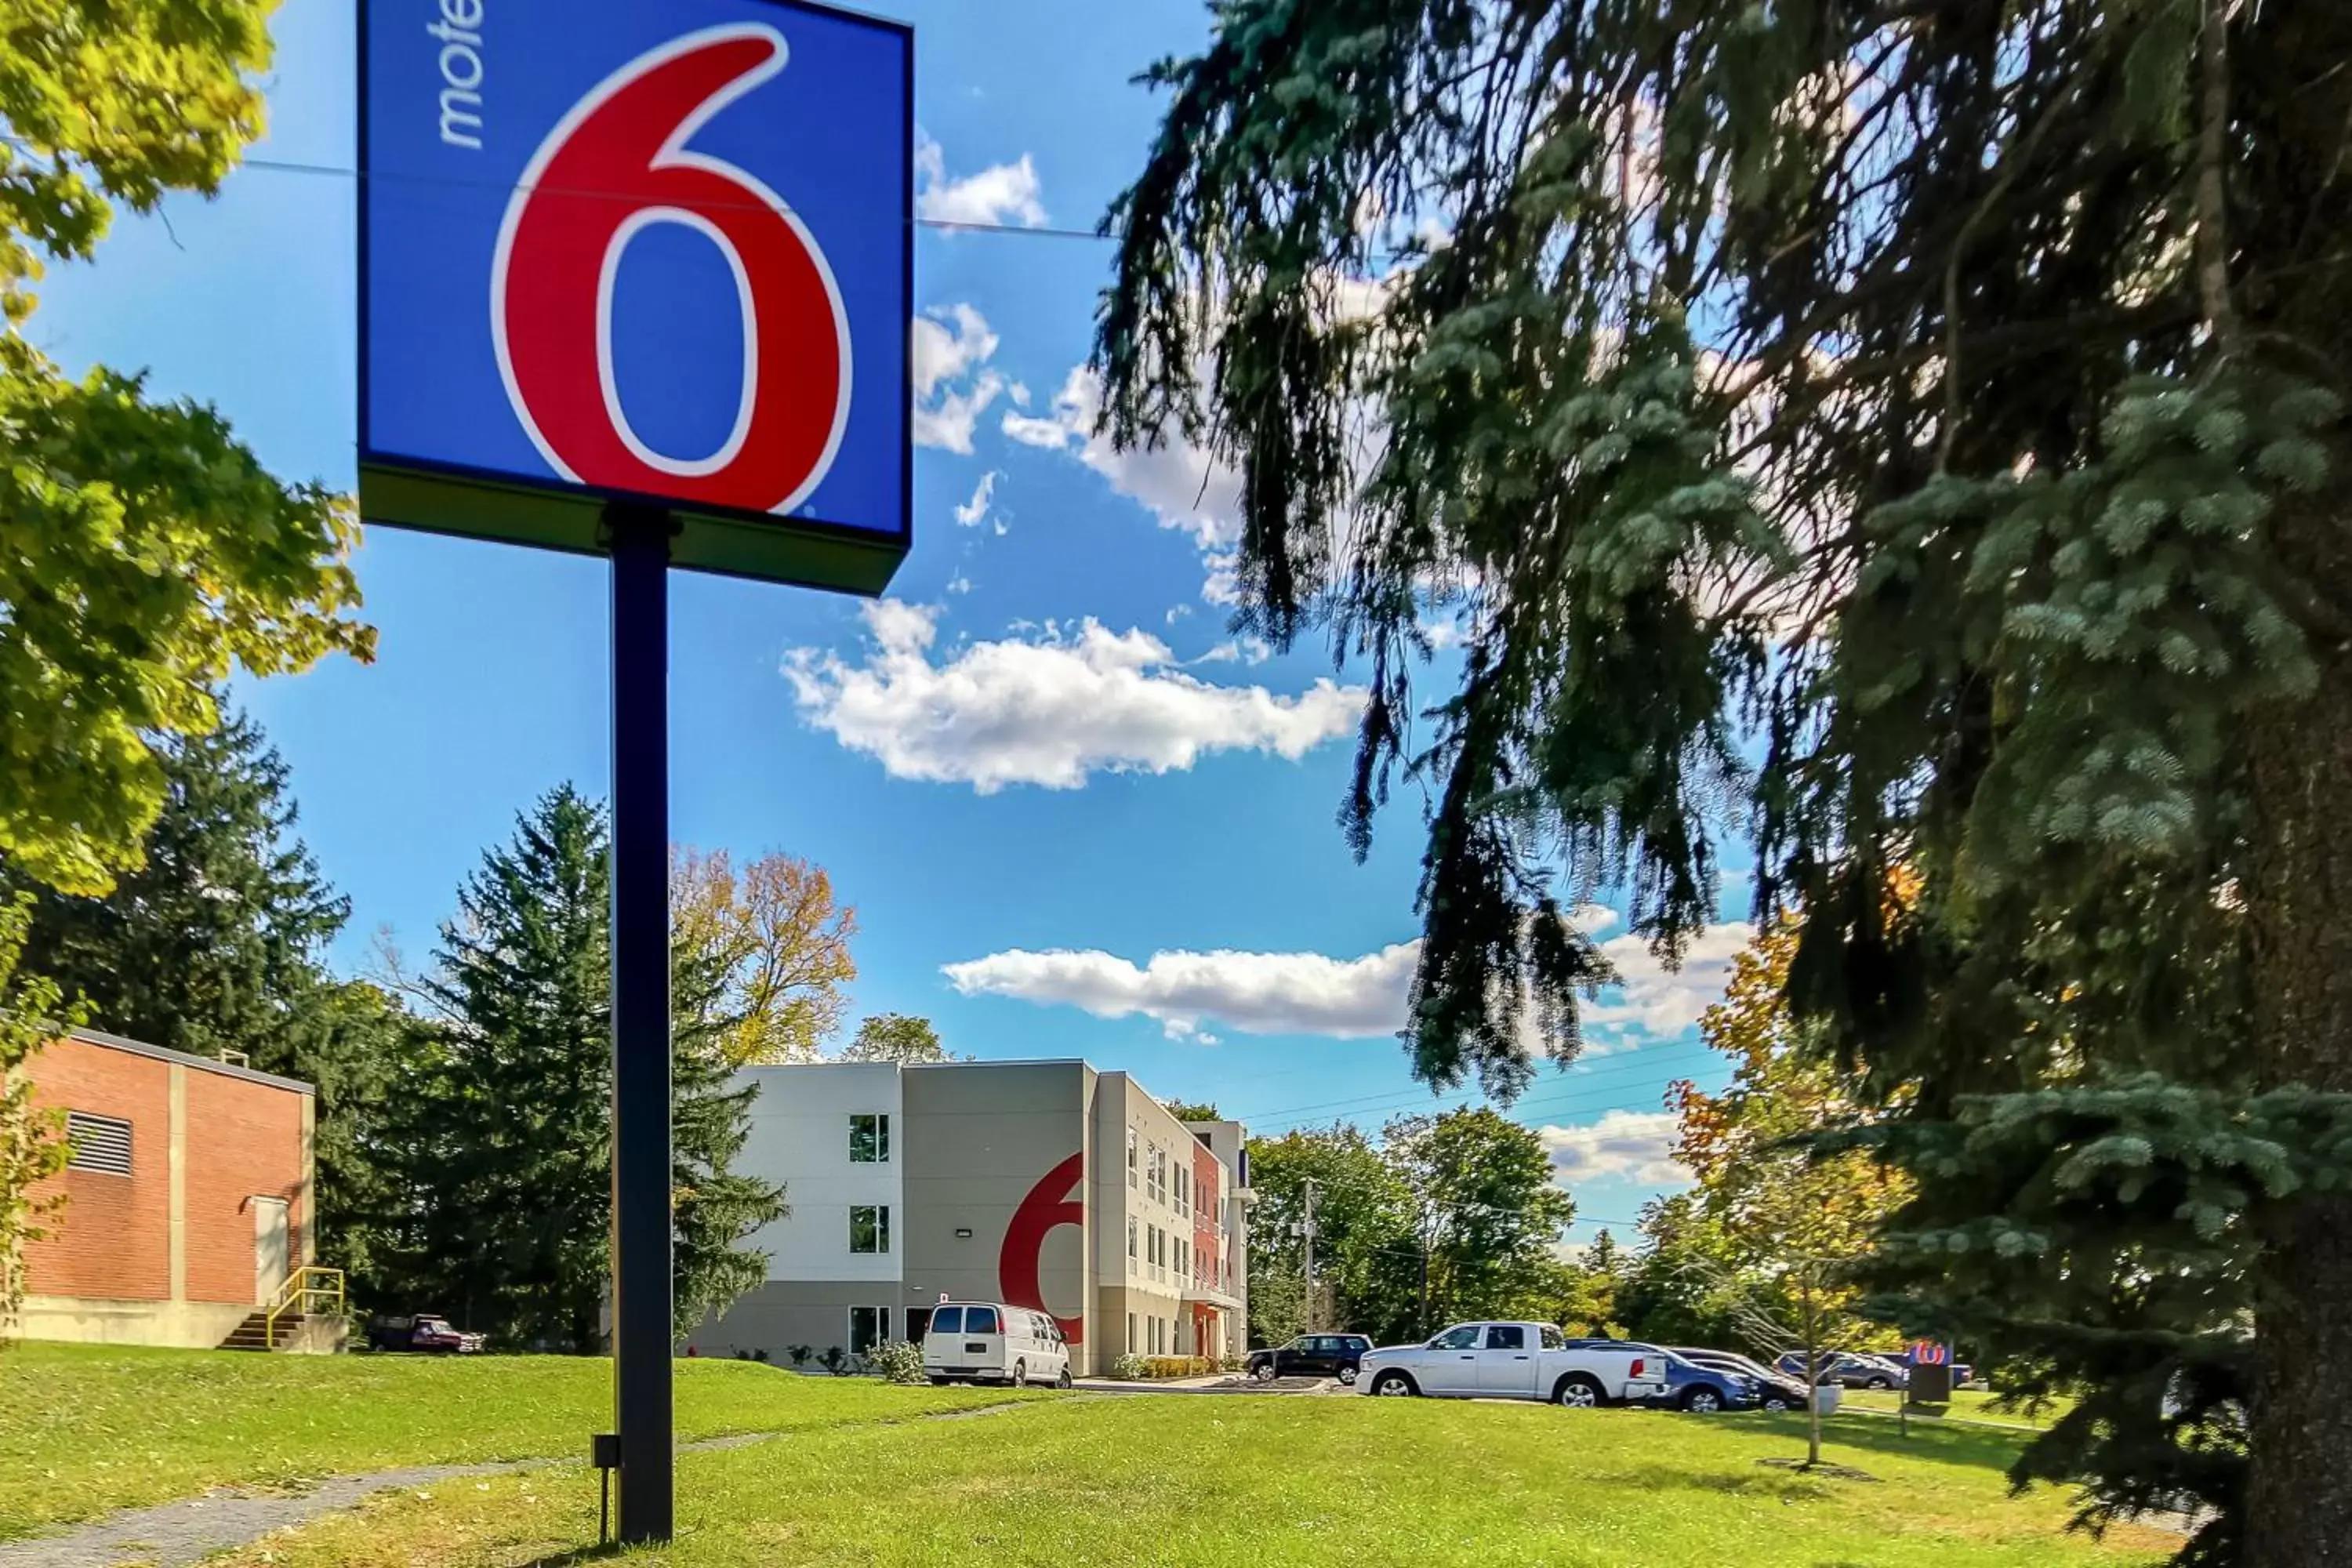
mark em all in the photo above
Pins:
pixel 245 1140
pixel 114 1238
pixel 241 1137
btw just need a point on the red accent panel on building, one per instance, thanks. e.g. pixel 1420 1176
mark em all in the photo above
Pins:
pixel 245 1141
pixel 112 1241
pixel 1205 1267
pixel 1048 1206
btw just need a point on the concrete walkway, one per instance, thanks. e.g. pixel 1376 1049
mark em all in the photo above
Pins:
pixel 176 1534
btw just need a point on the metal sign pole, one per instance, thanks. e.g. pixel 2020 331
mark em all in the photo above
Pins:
pixel 642 1333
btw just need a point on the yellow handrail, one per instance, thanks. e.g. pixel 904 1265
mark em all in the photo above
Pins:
pixel 305 1286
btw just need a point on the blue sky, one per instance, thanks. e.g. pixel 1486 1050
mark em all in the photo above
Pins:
pixel 1075 814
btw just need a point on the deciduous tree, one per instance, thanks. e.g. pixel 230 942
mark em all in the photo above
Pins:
pixel 780 942
pixel 896 1037
pixel 143 551
pixel 32 1143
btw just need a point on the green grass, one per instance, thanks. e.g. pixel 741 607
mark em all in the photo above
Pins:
pixel 1968 1405
pixel 1274 1482
pixel 88 1429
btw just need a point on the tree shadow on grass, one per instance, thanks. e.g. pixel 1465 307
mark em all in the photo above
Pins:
pixel 1749 1482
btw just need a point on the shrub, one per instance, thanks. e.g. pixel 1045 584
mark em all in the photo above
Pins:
pixel 897 1361
pixel 799 1354
pixel 1167 1367
pixel 834 1359
pixel 1130 1368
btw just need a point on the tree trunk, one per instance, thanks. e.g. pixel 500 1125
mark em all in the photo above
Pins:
pixel 2291 209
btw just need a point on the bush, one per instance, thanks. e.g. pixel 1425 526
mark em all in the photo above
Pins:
pixel 799 1354
pixel 1130 1368
pixel 1168 1366
pixel 834 1359
pixel 896 1362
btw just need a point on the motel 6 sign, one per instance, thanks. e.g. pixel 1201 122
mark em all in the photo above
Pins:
pixel 639 250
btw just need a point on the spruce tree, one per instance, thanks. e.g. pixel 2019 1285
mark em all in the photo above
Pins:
pixel 1946 396
pixel 507 1149
pixel 217 943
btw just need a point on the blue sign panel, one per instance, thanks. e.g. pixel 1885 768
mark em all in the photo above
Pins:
pixel 654 251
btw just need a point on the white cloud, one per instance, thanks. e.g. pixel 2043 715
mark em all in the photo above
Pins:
pixel 1345 998
pixel 1182 484
pixel 974 513
pixel 1656 1002
pixel 1637 1144
pixel 1049 709
pixel 1250 651
pixel 954 384
pixel 1252 993
pixel 1000 194
pixel 959 584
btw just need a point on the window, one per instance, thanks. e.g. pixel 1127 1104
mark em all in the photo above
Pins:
pixel 868 1327
pixel 1130 1333
pixel 1553 1340
pixel 100 1143
pixel 1183 1251
pixel 1465 1338
pixel 869 1227
pixel 980 1320
pixel 1130 1245
pixel 869 1139
pixel 1130 1164
pixel 1507 1337
pixel 948 1320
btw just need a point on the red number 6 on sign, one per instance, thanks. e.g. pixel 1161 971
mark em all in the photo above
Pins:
pixel 614 165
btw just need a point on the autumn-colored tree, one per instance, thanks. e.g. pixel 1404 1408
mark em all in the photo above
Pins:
pixel 1793 1218
pixel 775 930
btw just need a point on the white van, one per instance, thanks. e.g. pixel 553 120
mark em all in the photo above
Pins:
pixel 987 1341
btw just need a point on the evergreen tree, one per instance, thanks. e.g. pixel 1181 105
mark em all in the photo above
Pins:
pixel 508 1150
pixel 217 943
pixel 1999 491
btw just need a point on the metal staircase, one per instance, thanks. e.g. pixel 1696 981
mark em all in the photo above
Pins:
pixel 310 1293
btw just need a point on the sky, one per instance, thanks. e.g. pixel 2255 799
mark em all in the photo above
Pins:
pixel 1075 814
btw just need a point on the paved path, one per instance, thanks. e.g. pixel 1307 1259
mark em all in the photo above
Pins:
pixel 175 1534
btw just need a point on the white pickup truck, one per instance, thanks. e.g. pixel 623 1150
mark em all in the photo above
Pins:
pixel 1512 1360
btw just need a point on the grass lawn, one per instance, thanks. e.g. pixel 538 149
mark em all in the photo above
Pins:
pixel 1968 1405
pixel 1273 1482
pixel 85 1429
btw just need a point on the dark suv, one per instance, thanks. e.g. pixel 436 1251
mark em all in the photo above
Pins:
pixel 1311 1355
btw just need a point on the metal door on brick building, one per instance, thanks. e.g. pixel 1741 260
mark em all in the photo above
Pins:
pixel 272 1249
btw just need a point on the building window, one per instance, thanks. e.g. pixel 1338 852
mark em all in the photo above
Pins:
pixel 1130 1333
pixel 1130 1156
pixel 868 1327
pixel 1130 1245
pixel 869 1227
pixel 1183 1190
pixel 869 1139
pixel 100 1143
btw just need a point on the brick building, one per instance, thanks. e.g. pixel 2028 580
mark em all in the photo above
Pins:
pixel 188 1199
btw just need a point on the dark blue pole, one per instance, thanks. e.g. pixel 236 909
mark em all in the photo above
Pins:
pixel 641 1091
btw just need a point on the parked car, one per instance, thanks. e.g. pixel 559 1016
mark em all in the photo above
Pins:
pixel 1311 1355
pixel 1847 1369
pixel 1514 1361
pixel 988 1342
pixel 1774 1390
pixel 1703 1389
pixel 426 1332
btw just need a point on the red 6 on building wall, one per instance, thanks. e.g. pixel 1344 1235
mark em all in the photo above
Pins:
pixel 1049 1206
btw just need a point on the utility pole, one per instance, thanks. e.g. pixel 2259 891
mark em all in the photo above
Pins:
pixel 1310 1254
